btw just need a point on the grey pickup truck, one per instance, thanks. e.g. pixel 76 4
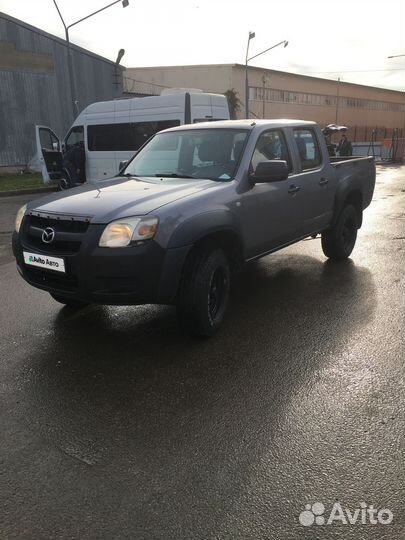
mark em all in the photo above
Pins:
pixel 193 205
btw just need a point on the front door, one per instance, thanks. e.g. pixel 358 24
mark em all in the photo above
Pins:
pixel 49 154
pixel 270 209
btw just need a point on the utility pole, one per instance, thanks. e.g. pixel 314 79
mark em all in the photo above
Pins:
pixel 337 100
pixel 263 96
pixel 251 36
pixel 400 56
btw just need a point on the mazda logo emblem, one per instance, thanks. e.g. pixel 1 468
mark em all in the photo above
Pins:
pixel 48 235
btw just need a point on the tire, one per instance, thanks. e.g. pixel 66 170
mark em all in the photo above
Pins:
pixel 204 292
pixel 65 182
pixel 339 241
pixel 71 302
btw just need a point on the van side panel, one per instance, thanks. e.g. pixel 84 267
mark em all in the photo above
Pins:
pixel 182 107
pixel 99 164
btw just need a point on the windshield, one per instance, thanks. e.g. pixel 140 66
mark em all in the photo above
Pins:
pixel 196 153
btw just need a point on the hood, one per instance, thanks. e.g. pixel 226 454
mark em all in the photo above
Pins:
pixel 119 197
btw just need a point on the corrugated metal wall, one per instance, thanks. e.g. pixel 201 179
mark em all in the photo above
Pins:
pixel 34 86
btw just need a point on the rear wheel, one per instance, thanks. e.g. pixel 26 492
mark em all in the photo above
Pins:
pixel 339 241
pixel 204 292
pixel 71 302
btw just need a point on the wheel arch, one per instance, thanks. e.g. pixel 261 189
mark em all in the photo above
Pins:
pixel 226 239
pixel 354 197
pixel 209 229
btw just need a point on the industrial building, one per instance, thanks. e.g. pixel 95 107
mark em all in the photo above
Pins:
pixel 278 94
pixel 35 86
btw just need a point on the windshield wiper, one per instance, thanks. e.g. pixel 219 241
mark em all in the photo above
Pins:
pixel 172 175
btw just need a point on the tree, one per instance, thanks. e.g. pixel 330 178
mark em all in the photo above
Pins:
pixel 234 102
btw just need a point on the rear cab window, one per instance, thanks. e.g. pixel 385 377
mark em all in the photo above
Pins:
pixel 308 150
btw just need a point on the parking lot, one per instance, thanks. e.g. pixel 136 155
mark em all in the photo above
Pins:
pixel 116 424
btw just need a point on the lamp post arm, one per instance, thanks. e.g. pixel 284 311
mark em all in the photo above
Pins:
pixel 269 49
pixel 60 15
pixel 94 13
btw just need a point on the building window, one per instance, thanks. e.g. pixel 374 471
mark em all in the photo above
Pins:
pixel 321 100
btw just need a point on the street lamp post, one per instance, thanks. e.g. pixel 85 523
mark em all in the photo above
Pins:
pixel 72 82
pixel 400 56
pixel 337 100
pixel 251 36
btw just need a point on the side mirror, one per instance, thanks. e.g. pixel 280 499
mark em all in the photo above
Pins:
pixel 274 170
pixel 55 146
pixel 122 165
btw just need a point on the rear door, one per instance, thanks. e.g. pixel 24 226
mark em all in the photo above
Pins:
pixel 208 108
pixel 315 182
pixel 49 153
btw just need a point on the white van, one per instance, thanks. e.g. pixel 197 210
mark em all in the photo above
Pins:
pixel 112 131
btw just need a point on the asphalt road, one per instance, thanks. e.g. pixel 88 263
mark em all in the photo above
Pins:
pixel 115 425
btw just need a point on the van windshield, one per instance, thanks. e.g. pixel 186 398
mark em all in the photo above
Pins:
pixel 212 154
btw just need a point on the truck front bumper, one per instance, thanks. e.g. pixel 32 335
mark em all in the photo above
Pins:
pixel 140 274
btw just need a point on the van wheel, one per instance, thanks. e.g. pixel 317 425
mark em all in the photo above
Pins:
pixel 65 181
pixel 339 241
pixel 204 292
pixel 71 302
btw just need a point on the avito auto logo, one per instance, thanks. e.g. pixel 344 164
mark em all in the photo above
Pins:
pixel 363 515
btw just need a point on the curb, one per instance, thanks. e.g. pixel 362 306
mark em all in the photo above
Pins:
pixel 31 191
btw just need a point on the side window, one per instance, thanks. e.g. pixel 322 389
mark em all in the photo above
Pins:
pixel 308 148
pixel 271 145
pixel 75 135
pixel 48 140
pixel 124 137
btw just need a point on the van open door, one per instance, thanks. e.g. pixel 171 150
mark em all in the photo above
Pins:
pixel 49 154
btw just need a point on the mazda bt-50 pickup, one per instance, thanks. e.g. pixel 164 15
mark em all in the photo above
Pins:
pixel 193 205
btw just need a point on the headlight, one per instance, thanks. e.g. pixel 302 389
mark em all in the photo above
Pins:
pixel 19 217
pixel 122 232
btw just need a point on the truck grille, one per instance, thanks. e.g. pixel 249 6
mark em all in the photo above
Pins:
pixel 69 233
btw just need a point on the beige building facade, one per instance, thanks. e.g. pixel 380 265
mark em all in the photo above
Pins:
pixel 278 94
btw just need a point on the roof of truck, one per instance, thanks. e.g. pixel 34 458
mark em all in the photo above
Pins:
pixel 244 124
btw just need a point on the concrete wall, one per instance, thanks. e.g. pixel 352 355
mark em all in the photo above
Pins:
pixel 287 95
pixel 34 86
pixel 215 79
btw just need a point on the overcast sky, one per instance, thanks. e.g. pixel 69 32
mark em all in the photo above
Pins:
pixel 346 38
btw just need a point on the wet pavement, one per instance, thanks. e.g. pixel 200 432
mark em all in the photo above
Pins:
pixel 115 425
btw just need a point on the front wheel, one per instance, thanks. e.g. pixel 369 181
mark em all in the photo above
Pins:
pixel 204 292
pixel 71 302
pixel 339 241
pixel 65 181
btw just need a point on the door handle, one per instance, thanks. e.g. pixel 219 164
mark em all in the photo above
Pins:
pixel 293 189
pixel 323 181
